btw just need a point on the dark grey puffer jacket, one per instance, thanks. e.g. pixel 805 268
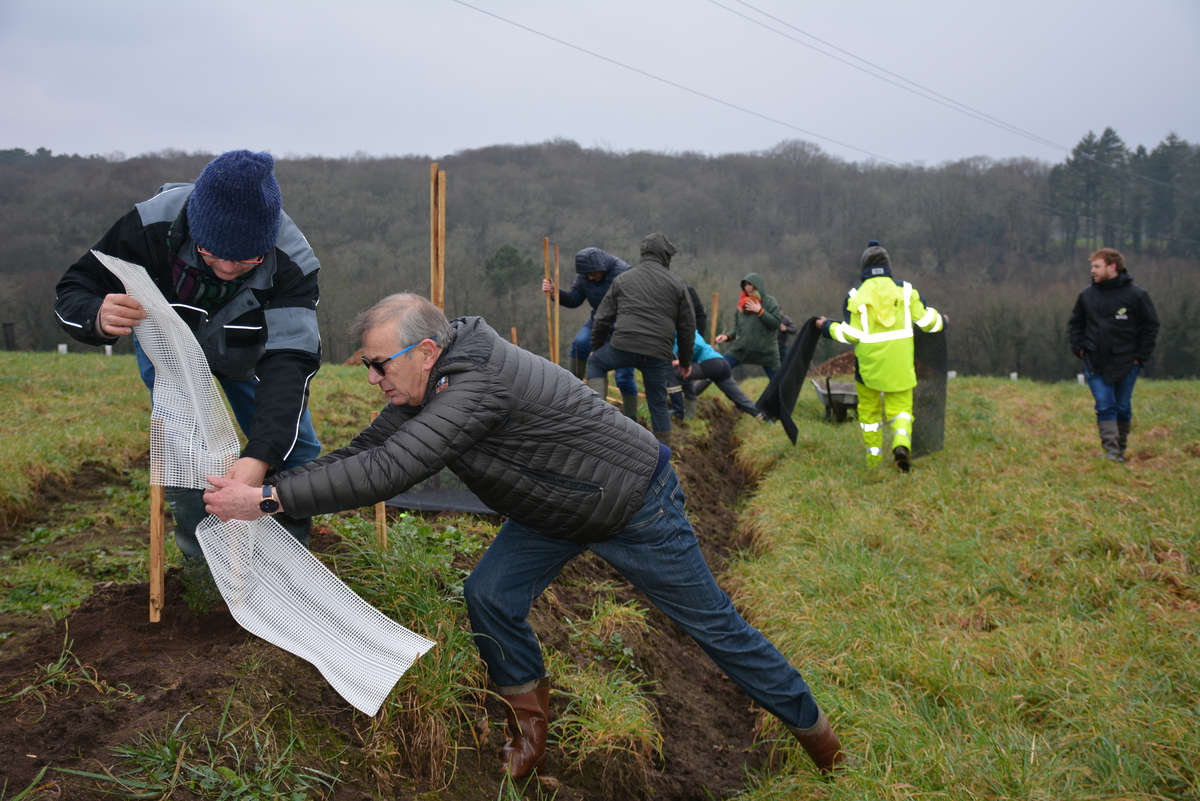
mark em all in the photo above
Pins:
pixel 526 436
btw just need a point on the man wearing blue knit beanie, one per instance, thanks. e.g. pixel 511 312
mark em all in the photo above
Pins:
pixel 238 271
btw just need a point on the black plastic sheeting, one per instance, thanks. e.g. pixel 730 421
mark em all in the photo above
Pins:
pixel 443 492
pixel 779 398
pixel 929 398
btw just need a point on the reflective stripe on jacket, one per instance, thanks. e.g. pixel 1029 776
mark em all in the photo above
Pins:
pixel 879 323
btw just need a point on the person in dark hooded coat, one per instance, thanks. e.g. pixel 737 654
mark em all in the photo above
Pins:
pixel 646 308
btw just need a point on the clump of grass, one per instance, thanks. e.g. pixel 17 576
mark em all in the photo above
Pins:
pixel 610 631
pixel 416 583
pixel 247 761
pixel 42 585
pixel 608 721
pixel 1014 619
pixel 65 676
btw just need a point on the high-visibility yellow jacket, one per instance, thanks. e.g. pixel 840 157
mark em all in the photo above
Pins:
pixel 880 315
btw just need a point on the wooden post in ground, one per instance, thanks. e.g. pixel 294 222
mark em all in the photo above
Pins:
pixel 437 236
pixel 380 515
pixel 158 538
pixel 557 310
pixel 550 302
pixel 712 339
pixel 514 335
pixel 158 526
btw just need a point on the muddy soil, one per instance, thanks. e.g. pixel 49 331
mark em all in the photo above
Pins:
pixel 129 676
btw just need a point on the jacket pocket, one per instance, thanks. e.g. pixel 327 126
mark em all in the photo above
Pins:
pixel 574 485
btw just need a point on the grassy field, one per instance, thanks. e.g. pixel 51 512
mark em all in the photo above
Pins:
pixel 1017 619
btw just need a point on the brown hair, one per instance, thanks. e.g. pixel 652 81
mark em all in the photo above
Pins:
pixel 1110 256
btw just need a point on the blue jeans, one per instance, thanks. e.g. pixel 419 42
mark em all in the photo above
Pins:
pixel 187 504
pixel 658 553
pixel 656 374
pixel 1113 401
pixel 581 348
pixel 734 362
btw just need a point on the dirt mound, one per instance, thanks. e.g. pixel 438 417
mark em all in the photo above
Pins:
pixel 842 364
pixel 124 676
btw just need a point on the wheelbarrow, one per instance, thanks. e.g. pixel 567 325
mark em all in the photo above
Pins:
pixel 838 397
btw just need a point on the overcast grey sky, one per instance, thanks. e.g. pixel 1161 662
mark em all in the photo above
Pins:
pixel 432 77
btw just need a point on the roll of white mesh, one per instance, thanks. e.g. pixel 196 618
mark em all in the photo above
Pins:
pixel 272 585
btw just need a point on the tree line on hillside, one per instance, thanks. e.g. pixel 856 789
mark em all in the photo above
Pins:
pixel 999 245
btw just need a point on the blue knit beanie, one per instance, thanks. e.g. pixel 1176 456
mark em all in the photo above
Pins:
pixel 235 207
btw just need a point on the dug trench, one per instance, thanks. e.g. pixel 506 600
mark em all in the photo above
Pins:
pixel 123 677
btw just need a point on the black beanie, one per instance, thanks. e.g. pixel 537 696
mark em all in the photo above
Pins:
pixel 875 261
pixel 234 210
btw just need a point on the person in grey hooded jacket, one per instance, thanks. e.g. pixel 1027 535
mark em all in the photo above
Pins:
pixel 645 310
pixel 569 472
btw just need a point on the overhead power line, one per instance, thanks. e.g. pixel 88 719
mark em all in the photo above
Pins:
pixel 919 90
pixel 688 89
pixel 926 92
pixel 971 112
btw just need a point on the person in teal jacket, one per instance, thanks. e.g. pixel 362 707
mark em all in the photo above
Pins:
pixel 712 368
pixel 755 327
pixel 879 318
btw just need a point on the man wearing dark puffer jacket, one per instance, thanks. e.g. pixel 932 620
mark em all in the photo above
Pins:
pixel 570 473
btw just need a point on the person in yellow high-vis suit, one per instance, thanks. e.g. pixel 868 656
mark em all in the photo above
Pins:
pixel 879 318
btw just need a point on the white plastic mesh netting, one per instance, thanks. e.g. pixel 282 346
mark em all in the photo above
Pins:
pixel 272 585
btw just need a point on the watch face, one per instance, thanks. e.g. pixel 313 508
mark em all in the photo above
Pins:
pixel 269 506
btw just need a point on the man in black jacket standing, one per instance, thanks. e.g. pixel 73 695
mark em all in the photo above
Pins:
pixel 570 473
pixel 236 268
pixel 1113 329
pixel 645 309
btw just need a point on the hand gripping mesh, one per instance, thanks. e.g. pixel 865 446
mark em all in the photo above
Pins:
pixel 273 586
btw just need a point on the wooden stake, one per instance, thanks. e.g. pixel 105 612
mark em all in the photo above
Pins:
pixel 437 236
pixel 557 310
pixel 514 335
pixel 380 515
pixel 549 300
pixel 713 336
pixel 158 530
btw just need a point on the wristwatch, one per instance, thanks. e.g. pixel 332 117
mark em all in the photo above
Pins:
pixel 269 505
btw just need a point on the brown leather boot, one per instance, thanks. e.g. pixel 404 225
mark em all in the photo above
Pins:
pixel 821 744
pixel 528 719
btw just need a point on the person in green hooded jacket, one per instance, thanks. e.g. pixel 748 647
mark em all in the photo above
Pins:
pixel 880 315
pixel 755 328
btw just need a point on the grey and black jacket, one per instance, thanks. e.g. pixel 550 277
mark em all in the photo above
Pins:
pixel 1112 325
pixel 268 328
pixel 647 308
pixel 527 437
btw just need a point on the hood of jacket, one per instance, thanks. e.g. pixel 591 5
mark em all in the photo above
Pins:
pixel 657 248
pixel 755 280
pixel 595 260
pixel 874 262
pixel 1121 279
